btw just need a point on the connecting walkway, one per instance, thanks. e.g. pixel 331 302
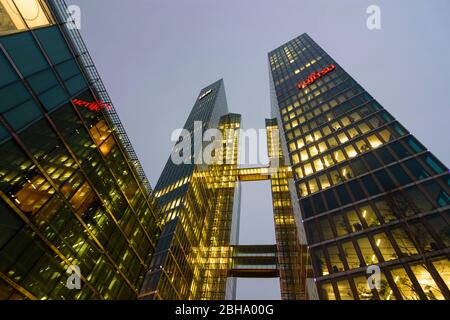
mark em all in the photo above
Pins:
pixel 254 261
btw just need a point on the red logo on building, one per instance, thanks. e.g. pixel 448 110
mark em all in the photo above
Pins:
pixel 93 106
pixel 315 75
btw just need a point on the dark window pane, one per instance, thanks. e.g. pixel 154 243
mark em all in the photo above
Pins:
pixel 313 231
pixel 399 150
pixel 370 185
pixel 42 81
pixel 415 145
pixel 385 155
pixel 343 195
pixel 437 193
pixel 416 169
pixel 318 203
pixel 400 174
pixel 372 161
pixel 54 98
pixel 68 69
pixel 12 95
pixel 307 208
pixel 22 48
pixel 331 200
pixel 7 72
pixel 21 116
pixel 435 164
pixel 54 44
pixel 76 84
pixel 356 190
pixel 441 228
pixel 384 180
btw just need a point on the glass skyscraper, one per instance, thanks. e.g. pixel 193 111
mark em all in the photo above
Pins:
pixel 72 192
pixel 369 192
pixel 351 187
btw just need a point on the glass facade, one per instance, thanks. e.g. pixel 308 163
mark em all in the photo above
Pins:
pixel 69 192
pixel 351 187
pixel 197 207
pixel 198 255
pixel 369 192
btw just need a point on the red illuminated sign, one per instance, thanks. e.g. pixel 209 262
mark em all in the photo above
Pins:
pixel 315 75
pixel 93 106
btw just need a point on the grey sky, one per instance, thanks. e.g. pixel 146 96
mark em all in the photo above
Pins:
pixel 155 56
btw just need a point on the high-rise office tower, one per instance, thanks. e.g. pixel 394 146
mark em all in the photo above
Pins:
pixel 198 255
pixel 369 192
pixel 197 205
pixel 73 196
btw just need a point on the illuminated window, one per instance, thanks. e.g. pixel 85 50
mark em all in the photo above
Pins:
pixel 427 283
pixel 317 135
pixel 313 185
pixel 342 137
pixel 340 225
pixel 367 251
pixel 369 216
pixel 351 255
pixel 386 135
pixel 309 139
pixel 324 182
pixel 345 121
pixel 385 210
pixel 19 15
pixel 332 142
pixel 344 290
pixel 299 173
pixel 404 242
pixel 384 245
pixel 363 289
pixel 374 141
pixel 347 172
pixel 384 291
pixel 295 159
pixel 318 165
pixel 352 132
pixel 363 127
pixel 354 221
pixel 328 160
pixel 443 268
pixel 304 155
pixel 327 292
pixel 322 147
pixel 362 146
pixel 336 125
pixel 404 284
pixel 335 177
pixel 292 146
pixel 313 151
pixel 355 116
pixel 303 189
pixel 326 130
pixel 351 152
pixel 335 259
pixel 338 156
pixel 308 169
